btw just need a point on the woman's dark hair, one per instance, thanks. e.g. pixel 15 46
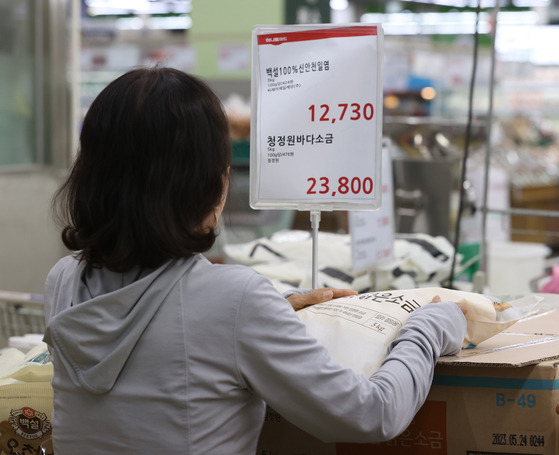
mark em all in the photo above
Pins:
pixel 152 165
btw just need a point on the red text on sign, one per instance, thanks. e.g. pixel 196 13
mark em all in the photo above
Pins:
pixel 344 111
pixel 344 185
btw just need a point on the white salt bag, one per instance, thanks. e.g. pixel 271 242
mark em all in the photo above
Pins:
pixel 357 330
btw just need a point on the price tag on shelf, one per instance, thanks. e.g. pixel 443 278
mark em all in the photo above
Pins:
pixel 316 117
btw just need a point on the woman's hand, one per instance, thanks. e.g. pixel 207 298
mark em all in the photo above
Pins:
pixel 300 301
pixel 461 305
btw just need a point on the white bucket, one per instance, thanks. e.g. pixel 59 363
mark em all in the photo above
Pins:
pixel 512 265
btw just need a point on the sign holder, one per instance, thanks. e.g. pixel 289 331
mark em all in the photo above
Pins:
pixel 316 123
pixel 315 223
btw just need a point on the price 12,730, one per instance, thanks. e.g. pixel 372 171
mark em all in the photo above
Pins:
pixel 344 111
pixel 344 186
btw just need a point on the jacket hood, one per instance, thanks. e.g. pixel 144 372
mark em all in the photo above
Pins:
pixel 109 312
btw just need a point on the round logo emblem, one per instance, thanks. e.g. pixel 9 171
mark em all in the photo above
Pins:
pixel 28 423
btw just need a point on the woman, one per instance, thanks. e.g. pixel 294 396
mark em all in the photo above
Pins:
pixel 155 349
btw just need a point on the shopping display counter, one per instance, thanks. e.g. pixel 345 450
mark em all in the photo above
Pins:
pixel 498 398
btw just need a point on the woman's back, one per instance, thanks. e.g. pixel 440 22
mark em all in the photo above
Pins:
pixel 149 367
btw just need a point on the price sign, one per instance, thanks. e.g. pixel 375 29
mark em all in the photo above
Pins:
pixel 372 232
pixel 316 117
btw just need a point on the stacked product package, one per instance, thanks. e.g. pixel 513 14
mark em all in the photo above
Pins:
pixel 25 401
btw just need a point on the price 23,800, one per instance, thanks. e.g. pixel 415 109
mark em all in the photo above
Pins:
pixel 345 185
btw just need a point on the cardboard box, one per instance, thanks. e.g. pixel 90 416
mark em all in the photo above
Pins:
pixel 498 398
pixel 541 229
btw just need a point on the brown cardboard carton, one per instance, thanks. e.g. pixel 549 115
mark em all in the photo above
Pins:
pixel 498 398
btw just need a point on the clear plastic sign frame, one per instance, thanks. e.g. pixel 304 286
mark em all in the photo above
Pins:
pixel 316 127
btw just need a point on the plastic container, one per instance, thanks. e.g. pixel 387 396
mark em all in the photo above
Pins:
pixel 512 265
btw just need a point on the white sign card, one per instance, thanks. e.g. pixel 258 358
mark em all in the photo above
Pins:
pixel 372 232
pixel 316 117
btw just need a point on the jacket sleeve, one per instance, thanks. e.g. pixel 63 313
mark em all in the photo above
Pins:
pixel 290 370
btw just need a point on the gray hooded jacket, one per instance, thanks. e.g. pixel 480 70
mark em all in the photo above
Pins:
pixel 183 358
